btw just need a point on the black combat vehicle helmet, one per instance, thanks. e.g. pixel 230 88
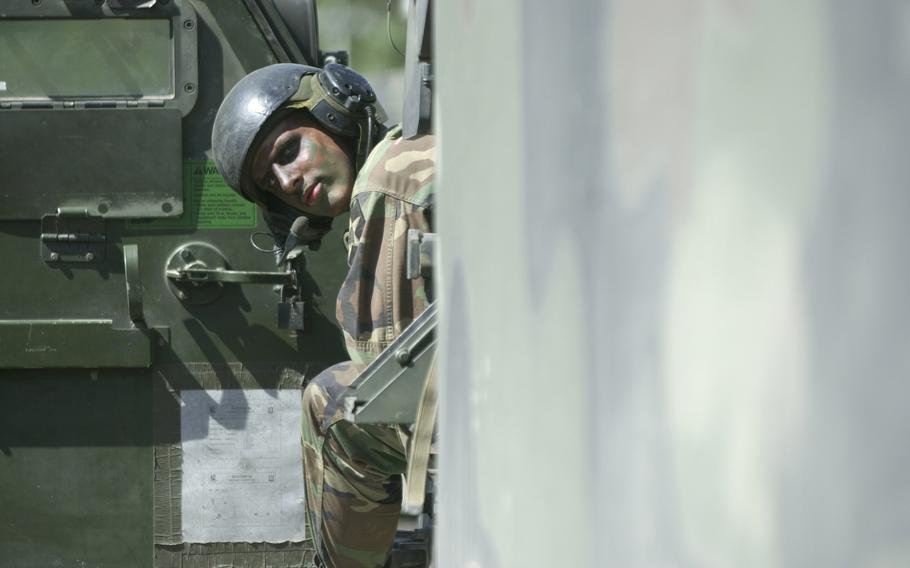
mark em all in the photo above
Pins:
pixel 340 99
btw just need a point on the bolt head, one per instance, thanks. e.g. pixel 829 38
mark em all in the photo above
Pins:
pixel 182 295
pixel 89 256
pixel 55 257
pixel 185 254
pixel 403 356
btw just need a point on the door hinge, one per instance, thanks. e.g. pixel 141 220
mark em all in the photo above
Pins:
pixel 72 235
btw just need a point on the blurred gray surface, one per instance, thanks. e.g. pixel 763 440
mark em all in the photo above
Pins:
pixel 675 319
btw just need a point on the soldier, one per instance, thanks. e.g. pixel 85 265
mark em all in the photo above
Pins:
pixel 290 138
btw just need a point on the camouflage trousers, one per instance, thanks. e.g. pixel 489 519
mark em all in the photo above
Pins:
pixel 352 476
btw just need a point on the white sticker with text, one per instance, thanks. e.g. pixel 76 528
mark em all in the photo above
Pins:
pixel 242 472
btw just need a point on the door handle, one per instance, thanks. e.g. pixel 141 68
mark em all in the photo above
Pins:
pixel 133 283
pixel 197 272
pixel 200 275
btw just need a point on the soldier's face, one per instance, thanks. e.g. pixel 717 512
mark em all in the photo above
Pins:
pixel 305 167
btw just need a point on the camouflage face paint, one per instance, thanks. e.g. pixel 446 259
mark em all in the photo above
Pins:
pixel 304 166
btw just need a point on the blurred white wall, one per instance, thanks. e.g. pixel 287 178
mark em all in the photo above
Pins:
pixel 389 87
pixel 675 283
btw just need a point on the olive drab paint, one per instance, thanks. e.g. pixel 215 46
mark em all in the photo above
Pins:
pixel 106 180
pixel 208 203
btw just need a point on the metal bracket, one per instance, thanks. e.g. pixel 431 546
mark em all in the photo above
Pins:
pixel 418 70
pixel 421 443
pixel 389 389
pixel 131 4
pixel 421 254
pixel 72 235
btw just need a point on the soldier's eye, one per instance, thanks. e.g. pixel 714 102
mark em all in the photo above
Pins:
pixel 287 152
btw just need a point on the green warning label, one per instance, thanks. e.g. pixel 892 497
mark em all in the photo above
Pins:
pixel 208 203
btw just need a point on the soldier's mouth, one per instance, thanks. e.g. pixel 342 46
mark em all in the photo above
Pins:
pixel 311 193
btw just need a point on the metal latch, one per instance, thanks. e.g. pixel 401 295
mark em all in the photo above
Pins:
pixel 421 254
pixel 198 275
pixel 426 74
pixel 197 272
pixel 72 235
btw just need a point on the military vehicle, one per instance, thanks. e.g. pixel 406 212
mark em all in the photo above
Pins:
pixel 673 312
pixel 151 350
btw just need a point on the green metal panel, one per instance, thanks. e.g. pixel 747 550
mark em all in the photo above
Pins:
pixel 75 469
pixel 92 58
pixel 64 54
pixel 51 344
pixel 78 443
pixel 110 162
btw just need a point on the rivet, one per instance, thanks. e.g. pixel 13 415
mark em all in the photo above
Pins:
pixel 403 356
pixel 182 295
pixel 55 257
pixel 89 256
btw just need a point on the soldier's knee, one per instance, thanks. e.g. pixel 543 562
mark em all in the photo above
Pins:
pixel 322 397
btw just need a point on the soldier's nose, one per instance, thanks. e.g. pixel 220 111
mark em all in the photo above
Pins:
pixel 288 179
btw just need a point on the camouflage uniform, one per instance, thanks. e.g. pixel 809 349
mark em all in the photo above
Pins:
pixel 353 472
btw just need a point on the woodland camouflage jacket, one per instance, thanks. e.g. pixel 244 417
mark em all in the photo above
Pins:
pixel 393 193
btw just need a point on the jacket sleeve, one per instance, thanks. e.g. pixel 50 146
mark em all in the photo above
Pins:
pixel 377 301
